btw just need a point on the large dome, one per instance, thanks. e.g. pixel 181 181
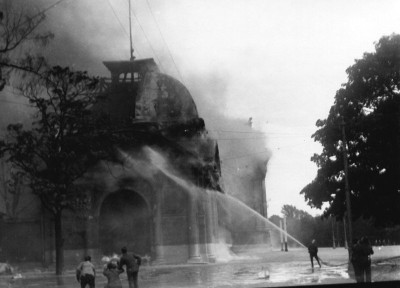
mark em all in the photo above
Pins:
pixel 137 90
pixel 162 98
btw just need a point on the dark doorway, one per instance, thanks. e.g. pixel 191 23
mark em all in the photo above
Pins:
pixel 125 221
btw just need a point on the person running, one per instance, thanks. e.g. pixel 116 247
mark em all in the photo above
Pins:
pixel 86 273
pixel 313 250
pixel 132 263
pixel 112 272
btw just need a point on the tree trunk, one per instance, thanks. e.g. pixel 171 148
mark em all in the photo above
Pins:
pixel 59 243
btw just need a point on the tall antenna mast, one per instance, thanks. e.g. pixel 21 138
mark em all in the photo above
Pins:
pixel 130 32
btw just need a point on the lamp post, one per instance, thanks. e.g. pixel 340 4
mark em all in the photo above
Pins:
pixel 285 228
pixel 333 233
pixel 281 233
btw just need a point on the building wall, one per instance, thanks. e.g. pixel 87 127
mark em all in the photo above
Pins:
pixel 174 233
pixel 174 214
pixel 182 221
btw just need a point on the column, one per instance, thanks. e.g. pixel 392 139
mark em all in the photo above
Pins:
pixel 260 207
pixel 209 227
pixel 264 199
pixel 91 220
pixel 194 246
pixel 158 232
pixel 92 245
pixel 285 228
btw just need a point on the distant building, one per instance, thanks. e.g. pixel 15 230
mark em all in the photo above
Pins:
pixel 159 210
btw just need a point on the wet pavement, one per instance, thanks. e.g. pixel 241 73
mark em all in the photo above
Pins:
pixel 257 269
pixel 215 275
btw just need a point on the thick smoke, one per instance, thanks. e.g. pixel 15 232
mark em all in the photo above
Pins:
pixel 243 149
pixel 87 33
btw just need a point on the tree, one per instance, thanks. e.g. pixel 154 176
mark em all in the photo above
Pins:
pixel 300 224
pixel 11 190
pixel 369 107
pixel 61 144
pixel 290 211
pixel 275 219
pixel 19 33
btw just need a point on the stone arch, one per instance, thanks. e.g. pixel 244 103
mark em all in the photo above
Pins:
pixel 125 220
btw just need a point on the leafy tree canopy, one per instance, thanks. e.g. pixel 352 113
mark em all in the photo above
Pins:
pixel 368 106
pixel 290 211
pixel 63 140
pixel 66 138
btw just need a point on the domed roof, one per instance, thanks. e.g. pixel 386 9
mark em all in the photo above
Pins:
pixel 139 91
pixel 162 98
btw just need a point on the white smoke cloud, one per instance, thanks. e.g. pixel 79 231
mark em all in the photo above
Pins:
pixel 243 149
pixel 87 33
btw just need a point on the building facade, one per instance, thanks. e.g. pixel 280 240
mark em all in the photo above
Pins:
pixel 165 197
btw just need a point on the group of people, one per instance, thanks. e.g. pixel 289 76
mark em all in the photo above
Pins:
pixel 86 272
pixel 360 258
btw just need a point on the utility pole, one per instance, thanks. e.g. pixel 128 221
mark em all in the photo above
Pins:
pixel 281 233
pixel 346 246
pixel 285 228
pixel 347 189
pixel 333 233
pixel 130 32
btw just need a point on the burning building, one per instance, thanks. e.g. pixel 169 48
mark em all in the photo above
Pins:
pixel 161 198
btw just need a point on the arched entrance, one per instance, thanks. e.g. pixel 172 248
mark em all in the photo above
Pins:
pixel 125 220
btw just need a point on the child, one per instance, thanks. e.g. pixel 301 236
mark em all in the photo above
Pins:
pixel 112 273
pixel 86 273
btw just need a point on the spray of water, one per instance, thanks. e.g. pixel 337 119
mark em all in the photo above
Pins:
pixel 240 204
pixel 106 259
pixel 159 163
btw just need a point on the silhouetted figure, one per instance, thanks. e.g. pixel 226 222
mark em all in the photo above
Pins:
pixel 132 263
pixel 364 252
pixel 313 250
pixel 86 273
pixel 112 272
pixel 355 259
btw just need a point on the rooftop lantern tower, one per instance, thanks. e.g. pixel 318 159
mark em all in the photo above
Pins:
pixel 125 82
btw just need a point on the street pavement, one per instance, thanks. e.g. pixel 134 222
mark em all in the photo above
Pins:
pixel 255 268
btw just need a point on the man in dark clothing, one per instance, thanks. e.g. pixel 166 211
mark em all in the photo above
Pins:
pixel 365 251
pixel 355 259
pixel 313 250
pixel 132 263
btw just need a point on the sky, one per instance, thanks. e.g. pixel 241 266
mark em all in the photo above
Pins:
pixel 277 61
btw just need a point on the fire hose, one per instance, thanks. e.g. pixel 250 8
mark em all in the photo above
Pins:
pixel 331 265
